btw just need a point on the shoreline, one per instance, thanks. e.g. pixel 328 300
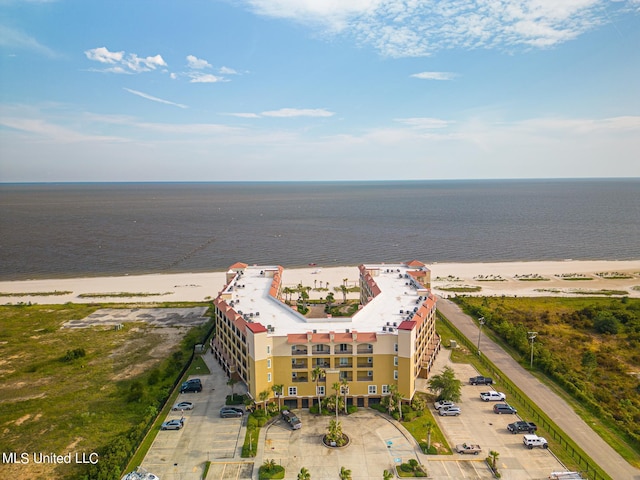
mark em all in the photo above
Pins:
pixel 523 278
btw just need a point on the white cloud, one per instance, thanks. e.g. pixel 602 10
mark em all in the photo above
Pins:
pixel 204 78
pixel 412 28
pixel 424 122
pixel 434 75
pixel 13 38
pixel 197 63
pixel 231 71
pixel 155 99
pixel 103 55
pixel 244 115
pixel 298 112
pixel 130 63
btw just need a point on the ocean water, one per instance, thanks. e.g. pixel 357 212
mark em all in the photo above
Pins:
pixel 67 230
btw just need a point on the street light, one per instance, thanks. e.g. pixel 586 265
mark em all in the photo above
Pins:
pixel 532 336
pixel 481 322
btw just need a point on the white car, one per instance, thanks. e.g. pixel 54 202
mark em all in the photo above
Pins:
pixel 182 406
pixel 493 396
pixel 531 441
pixel 443 403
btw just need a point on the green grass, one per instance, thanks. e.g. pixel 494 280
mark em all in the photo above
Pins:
pixel 418 429
pixel 51 405
pixel 460 289
pixel 122 295
pixel 600 292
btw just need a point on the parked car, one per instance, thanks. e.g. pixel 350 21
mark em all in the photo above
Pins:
pixel 522 426
pixel 480 380
pixel 291 419
pixel 501 408
pixel 230 412
pixel 175 424
pixel 531 441
pixel 468 448
pixel 187 387
pixel 492 396
pixel 443 403
pixel 449 411
pixel 565 476
pixel 182 406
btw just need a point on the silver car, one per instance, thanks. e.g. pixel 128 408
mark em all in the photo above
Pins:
pixel 173 424
pixel 182 406
pixel 449 411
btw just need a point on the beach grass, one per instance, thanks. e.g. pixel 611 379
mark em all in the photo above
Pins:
pixel 36 294
pixel 122 295
pixel 461 289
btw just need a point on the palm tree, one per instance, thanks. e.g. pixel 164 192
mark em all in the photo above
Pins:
pixel 304 474
pixel 345 474
pixel 269 465
pixel 387 475
pixel 264 396
pixel 344 291
pixel 277 389
pixel 329 301
pixel 494 458
pixel 429 427
pixel 335 432
pixel 316 375
pixel 336 388
pixel 344 386
pixel 231 382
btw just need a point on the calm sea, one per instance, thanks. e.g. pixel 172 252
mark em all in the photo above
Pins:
pixel 62 230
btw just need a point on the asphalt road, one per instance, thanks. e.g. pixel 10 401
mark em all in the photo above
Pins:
pixel 554 406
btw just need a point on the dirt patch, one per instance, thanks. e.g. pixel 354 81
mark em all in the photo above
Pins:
pixel 22 419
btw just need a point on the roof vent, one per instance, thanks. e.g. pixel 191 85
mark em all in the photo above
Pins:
pixel 384 329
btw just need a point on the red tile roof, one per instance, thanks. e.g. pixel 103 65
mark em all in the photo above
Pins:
pixel 256 327
pixel 407 325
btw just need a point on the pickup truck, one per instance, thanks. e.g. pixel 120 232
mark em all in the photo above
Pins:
pixel 493 395
pixel 522 426
pixel 468 448
pixel 480 380
pixel 531 441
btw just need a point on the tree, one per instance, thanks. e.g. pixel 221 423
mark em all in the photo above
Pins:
pixel 318 374
pixel 606 322
pixel 329 300
pixel 446 385
pixel 264 396
pixel 287 291
pixel 334 433
pixel 387 475
pixel 345 474
pixel 231 382
pixel 336 388
pixel 394 401
pixel 277 389
pixel 344 291
pixel 269 465
pixel 429 427
pixel 494 458
pixel 344 386
pixel 304 474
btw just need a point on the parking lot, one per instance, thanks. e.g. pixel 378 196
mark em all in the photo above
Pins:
pixel 377 443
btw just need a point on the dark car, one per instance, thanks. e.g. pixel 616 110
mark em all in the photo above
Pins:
pixel 291 419
pixel 522 426
pixel 501 408
pixel 230 412
pixel 480 380
pixel 191 387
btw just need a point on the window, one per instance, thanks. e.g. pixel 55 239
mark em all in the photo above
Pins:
pixel 343 347
pixel 385 389
pixel 268 377
pixel 373 389
pixel 395 374
pixel 344 361
pixel 320 390
pixel 268 363
pixel 395 347
pixel 293 391
pixel 395 361
pixel 268 349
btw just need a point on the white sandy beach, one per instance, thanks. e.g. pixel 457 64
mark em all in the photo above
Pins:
pixel 494 279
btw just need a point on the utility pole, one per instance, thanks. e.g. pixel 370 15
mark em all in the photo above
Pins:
pixel 481 322
pixel 532 336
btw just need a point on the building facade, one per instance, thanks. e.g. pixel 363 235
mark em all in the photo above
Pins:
pixel 267 344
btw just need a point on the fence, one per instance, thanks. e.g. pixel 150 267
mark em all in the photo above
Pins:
pixel 591 470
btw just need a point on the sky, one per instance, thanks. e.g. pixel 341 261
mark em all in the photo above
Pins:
pixel 297 90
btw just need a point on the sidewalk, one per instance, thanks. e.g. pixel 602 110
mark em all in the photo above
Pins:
pixel 554 406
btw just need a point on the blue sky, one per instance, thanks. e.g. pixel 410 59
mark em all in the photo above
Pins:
pixel 233 90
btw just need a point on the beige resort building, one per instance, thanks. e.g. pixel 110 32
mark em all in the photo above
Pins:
pixel 391 339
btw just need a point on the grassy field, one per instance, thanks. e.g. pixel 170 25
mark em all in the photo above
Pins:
pixel 76 390
pixel 588 348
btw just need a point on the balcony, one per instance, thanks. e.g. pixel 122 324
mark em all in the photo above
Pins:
pixel 321 362
pixel 365 376
pixel 344 362
pixel 365 362
pixel 344 349
pixel 299 350
pixel 321 349
pixel 299 364
pixel 365 348
pixel 299 378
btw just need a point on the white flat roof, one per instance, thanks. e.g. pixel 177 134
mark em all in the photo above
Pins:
pixel 250 293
